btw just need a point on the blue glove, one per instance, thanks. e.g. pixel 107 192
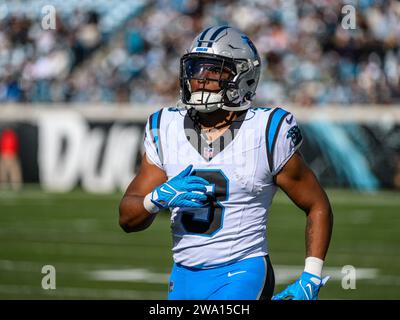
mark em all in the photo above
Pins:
pixel 306 287
pixel 182 190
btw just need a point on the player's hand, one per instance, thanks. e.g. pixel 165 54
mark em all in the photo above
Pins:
pixel 306 287
pixel 182 190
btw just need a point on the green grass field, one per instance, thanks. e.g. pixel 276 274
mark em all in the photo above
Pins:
pixel 79 235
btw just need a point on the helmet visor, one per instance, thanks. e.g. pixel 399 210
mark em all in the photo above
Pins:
pixel 212 69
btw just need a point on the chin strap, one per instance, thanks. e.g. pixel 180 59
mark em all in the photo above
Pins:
pixel 242 107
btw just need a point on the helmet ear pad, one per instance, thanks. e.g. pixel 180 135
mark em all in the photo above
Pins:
pixel 240 87
pixel 231 93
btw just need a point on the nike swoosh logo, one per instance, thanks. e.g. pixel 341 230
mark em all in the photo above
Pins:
pixel 235 273
pixel 289 121
pixel 305 292
pixel 166 191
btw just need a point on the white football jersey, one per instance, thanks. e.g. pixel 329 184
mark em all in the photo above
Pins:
pixel 240 167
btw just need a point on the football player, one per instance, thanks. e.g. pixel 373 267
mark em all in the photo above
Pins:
pixel 215 162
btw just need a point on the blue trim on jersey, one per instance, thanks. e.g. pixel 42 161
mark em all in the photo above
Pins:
pixel 277 117
pixel 274 123
pixel 154 123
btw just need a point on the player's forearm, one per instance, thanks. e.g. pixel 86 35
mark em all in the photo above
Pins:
pixel 318 231
pixel 132 214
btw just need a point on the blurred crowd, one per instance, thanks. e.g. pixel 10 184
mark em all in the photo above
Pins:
pixel 309 57
pixel 36 65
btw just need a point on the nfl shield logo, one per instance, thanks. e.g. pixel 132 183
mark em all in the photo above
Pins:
pixel 171 286
pixel 208 152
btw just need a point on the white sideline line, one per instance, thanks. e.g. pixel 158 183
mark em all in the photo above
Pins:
pixel 283 274
pixel 134 275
